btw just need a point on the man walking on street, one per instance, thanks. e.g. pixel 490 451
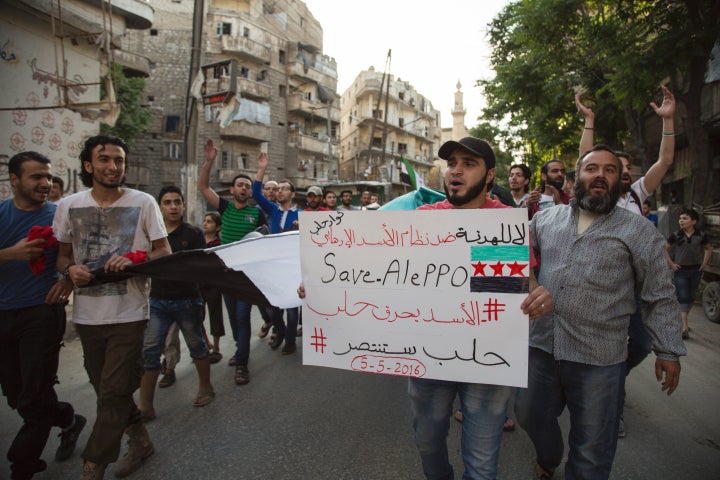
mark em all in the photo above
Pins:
pixel 238 219
pixel 107 227
pixel 578 349
pixel 470 173
pixel 178 303
pixel 32 309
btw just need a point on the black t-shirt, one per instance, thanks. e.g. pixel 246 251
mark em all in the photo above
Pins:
pixel 185 237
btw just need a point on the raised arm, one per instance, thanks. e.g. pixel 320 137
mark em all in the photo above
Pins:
pixel 263 162
pixel 588 136
pixel 666 111
pixel 204 179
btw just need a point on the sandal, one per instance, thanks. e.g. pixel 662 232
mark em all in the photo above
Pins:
pixel 167 380
pixel 242 375
pixel 147 417
pixel 264 330
pixel 215 357
pixel 204 398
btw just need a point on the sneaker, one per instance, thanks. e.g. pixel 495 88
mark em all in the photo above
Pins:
pixel 621 427
pixel 289 348
pixel 69 438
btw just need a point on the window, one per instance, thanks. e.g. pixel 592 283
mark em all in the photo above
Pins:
pixel 172 150
pixel 226 161
pixel 153 32
pixel 246 32
pixel 401 122
pixel 172 123
pixel 377 142
pixel 308 96
pixel 151 98
pixel 401 95
pixel 402 147
pixel 282 91
pixel 378 114
pixel 281 56
pixel 243 158
pixel 244 72
pixel 223 28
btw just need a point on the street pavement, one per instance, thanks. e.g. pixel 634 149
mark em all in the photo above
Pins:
pixel 296 422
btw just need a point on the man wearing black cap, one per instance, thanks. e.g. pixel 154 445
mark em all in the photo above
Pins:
pixel 470 173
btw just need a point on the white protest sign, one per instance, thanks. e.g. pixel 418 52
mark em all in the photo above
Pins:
pixel 432 294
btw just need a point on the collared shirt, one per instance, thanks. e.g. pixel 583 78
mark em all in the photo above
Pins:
pixel 628 202
pixel 591 277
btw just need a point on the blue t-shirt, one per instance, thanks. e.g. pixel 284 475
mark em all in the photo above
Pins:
pixel 19 286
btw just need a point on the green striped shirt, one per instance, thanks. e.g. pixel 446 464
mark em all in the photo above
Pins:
pixel 236 223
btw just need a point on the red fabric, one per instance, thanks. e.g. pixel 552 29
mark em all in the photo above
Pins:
pixel 38 265
pixel 138 256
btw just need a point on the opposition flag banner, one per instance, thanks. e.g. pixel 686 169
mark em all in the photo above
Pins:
pixel 264 270
pixel 407 173
pixel 432 294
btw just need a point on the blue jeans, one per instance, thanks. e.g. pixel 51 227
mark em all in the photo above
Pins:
pixel 687 282
pixel 239 313
pixel 188 313
pixel 592 395
pixel 483 408
pixel 289 332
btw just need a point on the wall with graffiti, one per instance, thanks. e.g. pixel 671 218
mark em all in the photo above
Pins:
pixel 34 66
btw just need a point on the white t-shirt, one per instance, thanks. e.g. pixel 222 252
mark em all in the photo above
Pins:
pixel 629 203
pixel 96 233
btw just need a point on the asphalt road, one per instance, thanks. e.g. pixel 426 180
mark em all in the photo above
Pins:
pixel 296 422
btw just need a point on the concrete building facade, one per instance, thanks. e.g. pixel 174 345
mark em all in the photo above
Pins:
pixel 382 123
pixel 53 58
pixel 267 86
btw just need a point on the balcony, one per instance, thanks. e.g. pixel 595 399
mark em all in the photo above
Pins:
pixel 246 48
pixel 312 144
pixel 246 131
pixel 298 105
pixel 298 69
pixel 251 89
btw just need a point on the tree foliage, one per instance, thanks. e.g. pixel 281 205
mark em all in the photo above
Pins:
pixel 133 118
pixel 616 52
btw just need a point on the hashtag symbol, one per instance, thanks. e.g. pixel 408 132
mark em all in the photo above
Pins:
pixel 492 308
pixel 318 341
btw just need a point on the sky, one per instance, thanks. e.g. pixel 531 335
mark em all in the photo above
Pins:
pixel 434 44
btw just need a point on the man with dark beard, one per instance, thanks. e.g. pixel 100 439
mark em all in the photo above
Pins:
pixel 632 196
pixel 578 349
pixel 550 192
pixel 469 176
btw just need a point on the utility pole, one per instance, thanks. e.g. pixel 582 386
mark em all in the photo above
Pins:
pixel 372 127
pixel 191 119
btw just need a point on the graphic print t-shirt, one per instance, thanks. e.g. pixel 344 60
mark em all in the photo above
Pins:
pixel 96 234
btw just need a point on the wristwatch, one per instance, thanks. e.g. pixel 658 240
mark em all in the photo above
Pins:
pixel 66 273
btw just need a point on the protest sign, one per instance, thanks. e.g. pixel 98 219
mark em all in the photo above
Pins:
pixel 431 294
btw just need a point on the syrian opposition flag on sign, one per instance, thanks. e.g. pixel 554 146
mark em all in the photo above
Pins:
pixel 263 270
pixel 500 268
pixel 409 176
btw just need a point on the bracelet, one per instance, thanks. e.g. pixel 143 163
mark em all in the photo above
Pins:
pixel 668 134
pixel 589 128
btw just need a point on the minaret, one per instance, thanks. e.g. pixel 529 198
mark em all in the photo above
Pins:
pixel 458 114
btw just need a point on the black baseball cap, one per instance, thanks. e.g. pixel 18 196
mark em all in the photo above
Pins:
pixel 473 145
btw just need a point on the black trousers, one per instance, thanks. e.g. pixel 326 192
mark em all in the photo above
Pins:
pixel 30 340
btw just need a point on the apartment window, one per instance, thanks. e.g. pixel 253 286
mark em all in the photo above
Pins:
pixel 308 96
pixel 281 56
pixel 246 32
pixel 377 114
pixel 377 142
pixel 401 122
pixel 226 161
pixel 282 91
pixel 244 72
pixel 401 95
pixel 402 147
pixel 172 123
pixel 243 159
pixel 172 150
pixel 223 28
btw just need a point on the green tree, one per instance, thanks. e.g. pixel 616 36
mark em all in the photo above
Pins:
pixel 133 118
pixel 617 52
